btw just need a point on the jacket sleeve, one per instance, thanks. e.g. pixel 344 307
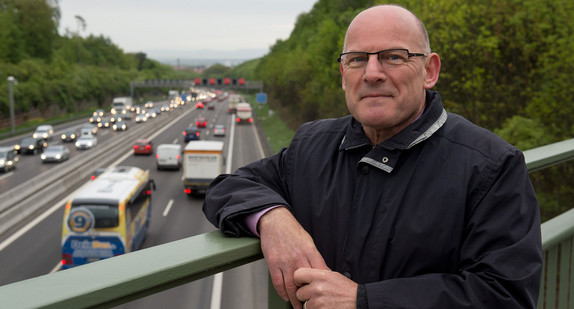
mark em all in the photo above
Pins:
pixel 231 197
pixel 501 258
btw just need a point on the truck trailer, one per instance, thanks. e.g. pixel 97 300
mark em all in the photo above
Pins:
pixel 202 162
pixel 244 113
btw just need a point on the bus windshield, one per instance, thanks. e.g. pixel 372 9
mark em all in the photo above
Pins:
pixel 106 216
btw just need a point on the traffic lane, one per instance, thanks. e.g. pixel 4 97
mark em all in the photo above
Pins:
pixel 245 287
pixel 181 217
pixel 26 257
pixel 30 166
pixel 36 252
pixel 185 218
pixel 245 146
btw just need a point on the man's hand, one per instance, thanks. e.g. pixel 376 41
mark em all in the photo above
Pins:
pixel 287 247
pixel 325 289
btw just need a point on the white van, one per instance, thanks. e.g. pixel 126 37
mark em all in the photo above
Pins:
pixel 168 156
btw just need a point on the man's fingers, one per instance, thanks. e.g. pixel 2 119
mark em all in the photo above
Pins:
pixel 316 261
pixel 279 283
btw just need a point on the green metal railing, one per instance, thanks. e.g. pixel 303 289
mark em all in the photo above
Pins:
pixel 136 275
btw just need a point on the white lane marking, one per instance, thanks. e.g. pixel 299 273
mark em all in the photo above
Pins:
pixel 7 175
pixel 167 208
pixel 216 291
pixel 261 153
pixel 32 224
pixel 56 268
pixel 217 286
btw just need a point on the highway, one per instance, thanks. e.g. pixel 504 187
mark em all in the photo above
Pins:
pixel 33 247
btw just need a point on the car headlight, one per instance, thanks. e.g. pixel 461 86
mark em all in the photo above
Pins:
pixel 35 135
pixel 58 156
pixel 43 156
pixel 2 162
pixel 77 144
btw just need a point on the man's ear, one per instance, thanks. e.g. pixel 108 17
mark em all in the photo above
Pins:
pixel 432 67
pixel 342 77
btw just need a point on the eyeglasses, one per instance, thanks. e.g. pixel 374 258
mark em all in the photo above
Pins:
pixel 388 58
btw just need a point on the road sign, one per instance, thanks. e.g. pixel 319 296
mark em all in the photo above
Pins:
pixel 261 97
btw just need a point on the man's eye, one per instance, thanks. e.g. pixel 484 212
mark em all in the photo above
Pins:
pixel 393 57
pixel 357 59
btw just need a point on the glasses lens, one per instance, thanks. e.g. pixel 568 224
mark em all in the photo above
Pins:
pixel 393 57
pixel 355 60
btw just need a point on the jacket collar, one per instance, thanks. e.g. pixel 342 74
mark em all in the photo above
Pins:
pixel 432 119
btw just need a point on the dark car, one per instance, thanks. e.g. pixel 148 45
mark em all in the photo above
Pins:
pixel 30 145
pixel 97 173
pixel 191 134
pixel 69 136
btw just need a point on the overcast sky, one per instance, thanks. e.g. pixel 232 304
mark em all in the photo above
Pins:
pixel 186 28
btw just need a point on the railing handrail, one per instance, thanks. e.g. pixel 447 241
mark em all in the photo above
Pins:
pixel 135 275
pixel 148 271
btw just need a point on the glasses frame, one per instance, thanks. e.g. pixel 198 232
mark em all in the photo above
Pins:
pixel 410 55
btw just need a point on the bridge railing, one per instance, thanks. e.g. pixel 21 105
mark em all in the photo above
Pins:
pixel 138 274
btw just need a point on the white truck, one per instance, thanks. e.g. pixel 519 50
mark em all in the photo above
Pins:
pixel 244 113
pixel 122 106
pixel 202 162
pixel 232 102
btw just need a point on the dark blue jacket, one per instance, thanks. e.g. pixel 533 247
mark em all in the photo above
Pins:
pixel 441 215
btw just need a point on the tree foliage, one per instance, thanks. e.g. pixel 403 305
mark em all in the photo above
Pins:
pixel 500 59
pixel 64 73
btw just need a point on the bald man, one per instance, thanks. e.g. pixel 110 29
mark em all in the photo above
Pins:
pixel 397 205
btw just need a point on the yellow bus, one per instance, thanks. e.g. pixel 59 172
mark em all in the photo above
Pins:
pixel 107 217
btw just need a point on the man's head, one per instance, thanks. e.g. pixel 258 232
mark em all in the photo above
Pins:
pixel 386 95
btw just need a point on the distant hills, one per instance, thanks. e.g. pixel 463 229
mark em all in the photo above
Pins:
pixel 205 57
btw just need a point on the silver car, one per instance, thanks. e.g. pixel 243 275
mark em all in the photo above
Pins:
pixel 57 153
pixel 8 159
pixel 219 130
pixel 86 142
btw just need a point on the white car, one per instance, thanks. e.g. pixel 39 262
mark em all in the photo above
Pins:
pixel 43 132
pixel 86 142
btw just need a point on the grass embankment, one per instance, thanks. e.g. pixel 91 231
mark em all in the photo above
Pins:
pixel 277 132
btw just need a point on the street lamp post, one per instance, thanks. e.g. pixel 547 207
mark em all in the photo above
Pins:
pixel 12 80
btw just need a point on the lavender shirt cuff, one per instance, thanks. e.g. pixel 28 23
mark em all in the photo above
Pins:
pixel 252 220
